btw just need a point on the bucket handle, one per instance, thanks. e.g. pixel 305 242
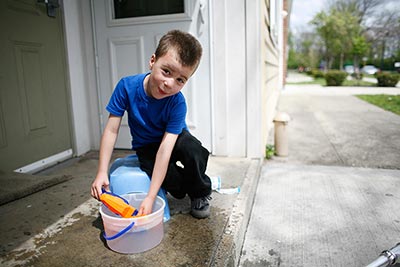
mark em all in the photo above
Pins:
pixel 123 231
pixel 115 195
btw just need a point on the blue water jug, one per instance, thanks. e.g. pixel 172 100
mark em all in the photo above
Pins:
pixel 127 177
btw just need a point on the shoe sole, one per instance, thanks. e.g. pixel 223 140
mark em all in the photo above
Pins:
pixel 200 214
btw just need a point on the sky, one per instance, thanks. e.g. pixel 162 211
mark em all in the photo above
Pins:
pixel 303 11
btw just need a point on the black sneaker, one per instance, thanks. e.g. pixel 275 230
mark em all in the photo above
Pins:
pixel 200 207
pixel 177 195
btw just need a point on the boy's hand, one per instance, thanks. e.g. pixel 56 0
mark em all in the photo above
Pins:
pixel 100 182
pixel 146 206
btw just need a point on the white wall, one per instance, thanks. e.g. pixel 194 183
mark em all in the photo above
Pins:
pixel 229 85
pixel 81 72
pixel 220 72
pixel 254 79
pixel 237 65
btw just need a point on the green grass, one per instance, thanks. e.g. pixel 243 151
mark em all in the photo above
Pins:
pixel 369 75
pixel 387 102
pixel 358 83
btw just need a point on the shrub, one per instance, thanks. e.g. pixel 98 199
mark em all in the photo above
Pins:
pixel 335 77
pixel 317 73
pixel 386 79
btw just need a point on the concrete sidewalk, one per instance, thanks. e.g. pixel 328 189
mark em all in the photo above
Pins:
pixel 61 225
pixel 334 200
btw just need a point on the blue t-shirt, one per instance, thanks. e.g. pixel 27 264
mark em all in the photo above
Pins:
pixel 148 118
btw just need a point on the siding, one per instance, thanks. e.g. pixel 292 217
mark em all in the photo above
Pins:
pixel 270 72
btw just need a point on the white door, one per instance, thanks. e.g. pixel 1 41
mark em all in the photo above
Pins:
pixel 127 33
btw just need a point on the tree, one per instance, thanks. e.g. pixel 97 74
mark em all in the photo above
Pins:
pixel 325 30
pixel 336 30
pixel 379 23
pixel 350 29
pixel 302 51
pixel 360 9
pixel 384 35
pixel 360 48
pixel 349 32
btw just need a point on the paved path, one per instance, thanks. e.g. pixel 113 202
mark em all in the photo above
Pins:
pixel 319 90
pixel 333 201
pixel 295 77
pixel 61 226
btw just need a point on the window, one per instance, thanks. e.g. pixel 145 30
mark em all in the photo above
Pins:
pixel 143 8
pixel 274 19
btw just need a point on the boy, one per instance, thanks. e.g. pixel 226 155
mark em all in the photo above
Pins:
pixel 156 116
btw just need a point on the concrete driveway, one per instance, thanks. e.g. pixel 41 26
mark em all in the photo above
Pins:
pixel 334 200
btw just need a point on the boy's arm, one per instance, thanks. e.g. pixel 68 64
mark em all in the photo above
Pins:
pixel 107 143
pixel 160 170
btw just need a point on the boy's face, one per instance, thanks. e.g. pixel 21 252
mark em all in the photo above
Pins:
pixel 168 76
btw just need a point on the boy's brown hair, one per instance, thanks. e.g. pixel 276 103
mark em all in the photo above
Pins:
pixel 187 47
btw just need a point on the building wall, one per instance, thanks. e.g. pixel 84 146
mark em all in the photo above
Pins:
pixel 245 70
pixel 287 7
pixel 253 79
pixel 271 85
pixel 229 78
pixel 81 73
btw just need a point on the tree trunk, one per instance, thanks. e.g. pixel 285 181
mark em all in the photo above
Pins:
pixel 341 60
pixel 383 54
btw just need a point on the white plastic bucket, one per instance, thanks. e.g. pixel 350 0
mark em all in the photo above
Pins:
pixel 134 235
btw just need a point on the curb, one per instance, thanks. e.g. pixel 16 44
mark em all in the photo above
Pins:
pixel 230 245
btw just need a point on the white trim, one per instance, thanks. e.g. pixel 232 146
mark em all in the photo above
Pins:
pixel 253 80
pixel 46 162
pixel 212 88
pixel 274 17
pixel 79 65
pixel 111 22
pixel 218 31
pixel 97 70
pixel 191 119
pixel 281 44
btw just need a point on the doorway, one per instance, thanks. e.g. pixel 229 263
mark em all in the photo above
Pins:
pixel 34 112
pixel 126 35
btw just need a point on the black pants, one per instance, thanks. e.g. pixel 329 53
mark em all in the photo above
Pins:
pixel 181 180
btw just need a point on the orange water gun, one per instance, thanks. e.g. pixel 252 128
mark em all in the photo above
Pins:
pixel 118 205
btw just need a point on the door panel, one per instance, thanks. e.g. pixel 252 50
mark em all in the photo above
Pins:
pixel 30 75
pixel 124 47
pixel 34 121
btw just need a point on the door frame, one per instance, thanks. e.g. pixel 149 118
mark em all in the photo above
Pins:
pixel 191 14
pixel 85 102
pixel 81 68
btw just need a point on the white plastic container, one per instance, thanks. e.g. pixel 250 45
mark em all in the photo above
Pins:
pixel 146 232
